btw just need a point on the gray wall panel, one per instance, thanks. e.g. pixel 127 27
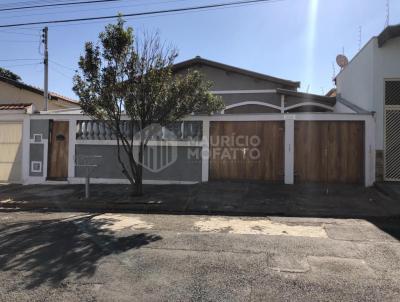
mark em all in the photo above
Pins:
pixel 40 127
pixel 36 154
pixel 223 80
pixel 187 167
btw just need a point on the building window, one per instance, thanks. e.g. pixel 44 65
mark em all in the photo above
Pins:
pixel 392 93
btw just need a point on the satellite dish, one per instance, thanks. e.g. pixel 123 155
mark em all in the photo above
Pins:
pixel 342 61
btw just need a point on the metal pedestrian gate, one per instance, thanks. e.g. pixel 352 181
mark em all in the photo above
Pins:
pixel 392 130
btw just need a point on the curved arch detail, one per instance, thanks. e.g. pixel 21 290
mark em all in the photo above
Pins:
pixel 251 103
pixel 309 104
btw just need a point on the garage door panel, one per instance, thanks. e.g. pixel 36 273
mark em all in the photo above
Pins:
pixel 10 132
pixel 346 152
pixel 254 151
pixel 330 152
pixel 10 151
pixel 309 151
pixel 10 172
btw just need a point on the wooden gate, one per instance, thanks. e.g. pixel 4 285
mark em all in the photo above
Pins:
pixel 58 150
pixel 331 151
pixel 247 151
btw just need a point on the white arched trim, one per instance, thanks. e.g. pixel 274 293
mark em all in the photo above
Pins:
pixel 309 104
pixel 251 103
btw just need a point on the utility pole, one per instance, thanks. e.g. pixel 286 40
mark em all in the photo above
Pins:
pixel 46 67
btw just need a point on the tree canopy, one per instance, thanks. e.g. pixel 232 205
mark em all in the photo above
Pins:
pixel 9 74
pixel 123 77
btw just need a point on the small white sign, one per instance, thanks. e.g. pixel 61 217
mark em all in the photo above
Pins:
pixel 36 166
pixel 290 117
pixel 37 138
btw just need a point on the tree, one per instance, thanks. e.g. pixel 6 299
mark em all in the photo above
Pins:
pixel 123 78
pixel 9 74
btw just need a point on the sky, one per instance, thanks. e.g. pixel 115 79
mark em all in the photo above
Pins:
pixel 296 40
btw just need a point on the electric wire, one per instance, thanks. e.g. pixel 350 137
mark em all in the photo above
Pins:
pixel 157 12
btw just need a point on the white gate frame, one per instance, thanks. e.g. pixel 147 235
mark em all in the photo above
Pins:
pixel 288 119
pixel 385 109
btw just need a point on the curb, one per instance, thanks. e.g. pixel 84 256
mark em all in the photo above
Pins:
pixel 46 207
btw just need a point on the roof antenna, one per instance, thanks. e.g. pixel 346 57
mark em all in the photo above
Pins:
pixel 387 13
pixel 334 71
pixel 359 37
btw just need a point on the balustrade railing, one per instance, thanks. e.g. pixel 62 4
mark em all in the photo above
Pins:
pixel 100 130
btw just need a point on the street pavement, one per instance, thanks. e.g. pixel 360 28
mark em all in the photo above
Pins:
pixel 47 256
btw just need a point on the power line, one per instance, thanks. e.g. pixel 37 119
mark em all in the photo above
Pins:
pixel 6 32
pixel 19 65
pixel 62 65
pixel 19 3
pixel 10 60
pixel 158 12
pixel 18 41
pixel 61 73
pixel 56 4
pixel 9 16
pixel 58 26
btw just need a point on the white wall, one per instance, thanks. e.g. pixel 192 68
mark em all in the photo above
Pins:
pixel 355 81
pixel 362 81
pixel 386 66
pixel 341 108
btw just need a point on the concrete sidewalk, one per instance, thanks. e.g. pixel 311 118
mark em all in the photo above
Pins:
pixel 228 198
pixel 391 189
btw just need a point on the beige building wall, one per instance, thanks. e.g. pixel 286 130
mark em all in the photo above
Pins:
pixel 10 94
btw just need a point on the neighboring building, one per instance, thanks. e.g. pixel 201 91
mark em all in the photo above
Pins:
pixel 17 101
pixel 371 82
pixel 331 92
pixel 245 91
pixel 16 92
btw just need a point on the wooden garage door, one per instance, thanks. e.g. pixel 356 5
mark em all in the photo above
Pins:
pixel 247 151
pixel 10 151
pixel 331 152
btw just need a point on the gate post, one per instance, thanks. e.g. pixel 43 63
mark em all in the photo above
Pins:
pixel 71 148
pixel 205 151
pixel 289 149
pixel 26 137
pixel 370 153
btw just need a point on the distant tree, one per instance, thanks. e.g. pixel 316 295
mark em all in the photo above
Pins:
pixel 9 74
pixel 125 78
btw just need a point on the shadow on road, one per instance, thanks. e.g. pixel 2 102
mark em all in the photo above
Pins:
pixel 53 250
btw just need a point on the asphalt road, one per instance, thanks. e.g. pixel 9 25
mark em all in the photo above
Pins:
pixel 123 257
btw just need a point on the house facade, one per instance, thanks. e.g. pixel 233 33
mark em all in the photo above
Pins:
pixel 371 82
pixel 267 132
pixel 16 92
pixel 17 102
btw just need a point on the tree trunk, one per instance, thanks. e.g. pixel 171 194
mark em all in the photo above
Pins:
pixel 138 187
pixel 139 182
